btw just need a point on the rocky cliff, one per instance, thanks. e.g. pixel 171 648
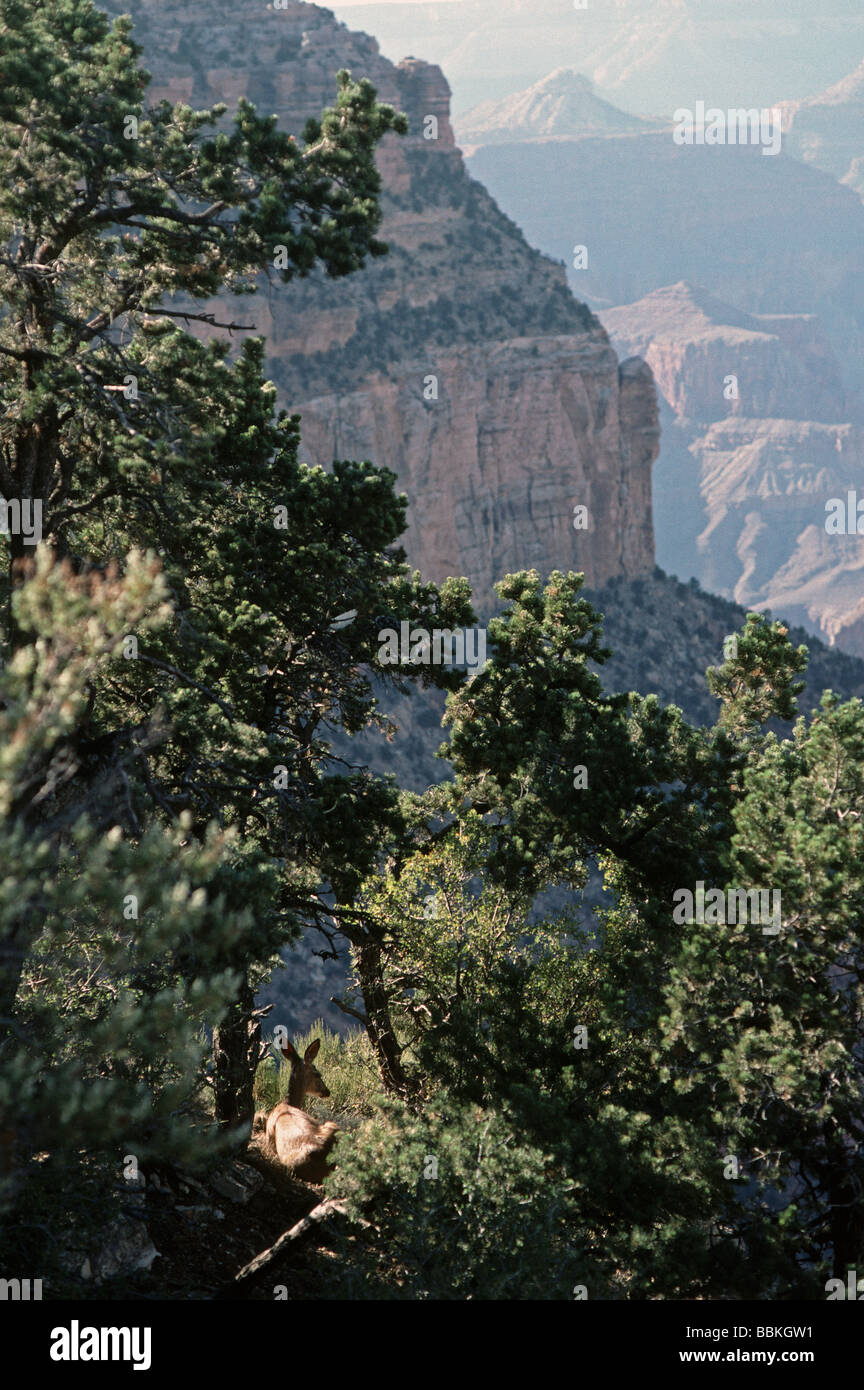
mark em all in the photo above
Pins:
pixel 767 235
pixel 461 360
pixel 743 478
pixel 774 246
pixel 562 104
pixel 828 130
pixel 783 364
pixel 766 484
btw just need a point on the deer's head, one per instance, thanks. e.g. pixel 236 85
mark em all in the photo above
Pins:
pixel 313 1082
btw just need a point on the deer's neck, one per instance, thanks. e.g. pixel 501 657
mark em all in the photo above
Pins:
pixel 296 1089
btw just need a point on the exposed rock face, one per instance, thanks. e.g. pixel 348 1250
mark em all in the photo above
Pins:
pixel 854 177
pixel 767 235
pixel 828 130
pixel 562 104
pixel 738 492
pixel 750 517
pixel 783 363
pixel 522 431
pixel 765 484
pixel 461 360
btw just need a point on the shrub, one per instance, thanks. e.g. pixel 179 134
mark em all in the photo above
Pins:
pixel 458 1206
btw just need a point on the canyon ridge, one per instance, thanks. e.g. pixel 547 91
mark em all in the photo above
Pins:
pixel 461 361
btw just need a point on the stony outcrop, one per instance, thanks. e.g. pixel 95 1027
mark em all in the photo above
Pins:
pixel 520 433
pixel 742 482
pixel 775 245
pixel 783 364
pixel 461 360
pixel 765 234
pixel 564 104
pixel 765 484
pixel 828 130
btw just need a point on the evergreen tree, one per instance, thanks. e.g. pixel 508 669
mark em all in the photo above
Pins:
pixel 104 1056
pixel 128 431
pixel 655 1063
pixel 764 1027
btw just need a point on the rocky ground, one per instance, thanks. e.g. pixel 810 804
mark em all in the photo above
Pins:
pixel 188 1236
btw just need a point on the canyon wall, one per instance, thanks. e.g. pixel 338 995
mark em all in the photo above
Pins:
pixel 758 434
pixel 737 278
pixel 767 235
pixel 461 361
pixel 828 130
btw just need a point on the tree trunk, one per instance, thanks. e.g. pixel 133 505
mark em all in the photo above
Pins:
pixel 14 948
pixel 236 1052
pixel 847 1225
pixel 378 1023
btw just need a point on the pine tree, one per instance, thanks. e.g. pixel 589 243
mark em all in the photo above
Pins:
pixel 764 1026
pixel 103 1060
pixel 187 814
pixel 128 431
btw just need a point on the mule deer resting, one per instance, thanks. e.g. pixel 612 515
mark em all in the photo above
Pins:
pixel 299 1141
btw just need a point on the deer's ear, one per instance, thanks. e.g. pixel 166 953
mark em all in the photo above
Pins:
pixel 312 1051
pixel 288 1050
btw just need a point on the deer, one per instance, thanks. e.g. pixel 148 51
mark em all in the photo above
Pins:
pixel 301 1143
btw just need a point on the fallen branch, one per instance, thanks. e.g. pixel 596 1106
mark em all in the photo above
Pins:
pixel 331 1206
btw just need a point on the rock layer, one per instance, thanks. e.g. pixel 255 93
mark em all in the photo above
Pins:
pixel 828 130
pixel 461 360
pixel 765 234
pixel 766 484
pixel 742 483
pixel 783 364
pixel 562 104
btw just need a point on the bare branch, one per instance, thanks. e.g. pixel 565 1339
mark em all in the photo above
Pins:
pixel 332 1206
pixel 346 1009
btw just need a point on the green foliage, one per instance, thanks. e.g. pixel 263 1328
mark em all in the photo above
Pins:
pixel 579 1081
pixel 454 940
pixel 347 1066
pixel 223 712
pixel 534 1018
pixel 763 1031
pixel 168 719
pixel 701 1043
pixel 461 1209
pixel 759 681
pixel 119 941
pixel 536 712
